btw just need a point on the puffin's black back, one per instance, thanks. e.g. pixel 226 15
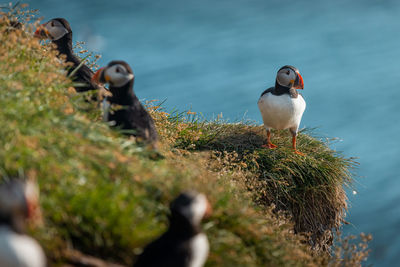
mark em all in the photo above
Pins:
pixel 166 251
pixel 136 120
pixel 84 73
pixel 173 248
pixel 132 115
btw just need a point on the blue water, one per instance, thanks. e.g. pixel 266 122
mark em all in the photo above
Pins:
pixel 218 56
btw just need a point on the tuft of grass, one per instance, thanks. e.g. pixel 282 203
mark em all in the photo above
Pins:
pixel 309 189
pixel 103 195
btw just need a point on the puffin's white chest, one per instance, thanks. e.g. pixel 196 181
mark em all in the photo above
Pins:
pixel 281 112
pixel 19 250
pixel 106 109
pixel 200 249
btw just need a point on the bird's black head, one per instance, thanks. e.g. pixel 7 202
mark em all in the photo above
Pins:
pixel 54 29
pixel 118 74
pixel 289 77
pixel 191 206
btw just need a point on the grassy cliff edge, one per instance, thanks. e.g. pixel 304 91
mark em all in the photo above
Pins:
pixel 103 195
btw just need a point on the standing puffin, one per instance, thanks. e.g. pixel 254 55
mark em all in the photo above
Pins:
pixel 183 244
pixel 60 33
pixel 18 203
pixel 282 106
pixel 125 110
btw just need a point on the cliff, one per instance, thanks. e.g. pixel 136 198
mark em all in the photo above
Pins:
pixel 105 196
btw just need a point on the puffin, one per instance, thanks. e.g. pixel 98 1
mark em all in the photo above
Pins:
pixel 183 244
pixel 59 32
pixel 123 109
pixel 19 203
pixel 13 25
pixel 282 107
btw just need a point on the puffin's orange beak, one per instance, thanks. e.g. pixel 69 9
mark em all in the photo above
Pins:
pixel 41 32
pixel 97 76
pixel 299 83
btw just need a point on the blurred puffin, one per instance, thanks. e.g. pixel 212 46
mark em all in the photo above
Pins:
pixel 183 244
pixel 18 203
pixel 13 25
pixel 60 33
pixel 282 106
pixel 125 110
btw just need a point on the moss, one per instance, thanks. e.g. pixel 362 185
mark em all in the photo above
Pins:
pixel 103 195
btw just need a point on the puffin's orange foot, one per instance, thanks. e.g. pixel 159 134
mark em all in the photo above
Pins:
pixel 299 153
pixel 270 146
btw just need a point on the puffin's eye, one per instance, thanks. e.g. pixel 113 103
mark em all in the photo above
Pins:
pixel 117 70
pixel 288 72
pixel 52 24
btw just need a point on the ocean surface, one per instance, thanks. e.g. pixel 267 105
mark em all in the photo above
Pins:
pixel 217 57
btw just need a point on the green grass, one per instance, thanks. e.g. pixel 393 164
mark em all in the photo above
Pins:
pixel 104 196
pixel 309 188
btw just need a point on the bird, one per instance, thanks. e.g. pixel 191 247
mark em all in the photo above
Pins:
pixel 282 107
pixel 59 32
pixel 13 25
pixel 183 244
pixel 123 108
pixel 18 203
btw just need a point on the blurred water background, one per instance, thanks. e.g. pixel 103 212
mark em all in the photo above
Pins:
pixel 218 56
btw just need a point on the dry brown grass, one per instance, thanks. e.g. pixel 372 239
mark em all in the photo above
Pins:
pixel 309 189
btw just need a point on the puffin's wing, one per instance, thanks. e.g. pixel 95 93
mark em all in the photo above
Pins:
pixel 151 254
pixel 164 251
pixel 82 75
pixel 269 90
pixel 142 121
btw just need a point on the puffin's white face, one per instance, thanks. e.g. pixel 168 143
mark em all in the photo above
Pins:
pixel 197 209
pixel 117 75
pixel 55 29
pixel 286 77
